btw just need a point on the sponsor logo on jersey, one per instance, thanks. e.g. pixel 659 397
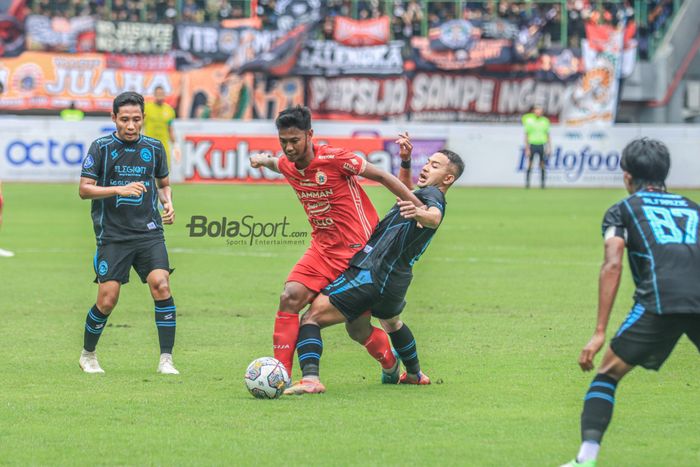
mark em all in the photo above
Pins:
pixel 102 268
pixel 368 249
pixel 327 156
pixel 89 162
pixel 350 168
pixel 130 150
pixel 321 177
pixel 114 153
pixel 355 245
pixel 315 194
pixel 322 223
pixel 146 155
pixel 320 207
pixel 130 170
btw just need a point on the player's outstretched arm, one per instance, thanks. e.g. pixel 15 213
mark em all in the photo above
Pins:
pixel 608 283
pixel 165 195
pixel 392 183
pixel 88 189
pixel 264 160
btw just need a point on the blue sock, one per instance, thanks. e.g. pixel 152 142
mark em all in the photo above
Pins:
pixel 598 408
pixel 165 322
pixel 309 349
pixel 95 323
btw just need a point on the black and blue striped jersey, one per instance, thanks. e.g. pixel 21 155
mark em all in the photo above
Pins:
pixel 113 162
pixel 397 243
pixel 661 233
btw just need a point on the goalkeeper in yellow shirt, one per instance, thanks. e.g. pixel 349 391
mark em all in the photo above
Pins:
pixel 158 121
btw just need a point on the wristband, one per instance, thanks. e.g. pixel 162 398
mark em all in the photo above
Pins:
pixel 405 164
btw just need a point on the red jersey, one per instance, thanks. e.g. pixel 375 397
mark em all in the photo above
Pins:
pixel 341 214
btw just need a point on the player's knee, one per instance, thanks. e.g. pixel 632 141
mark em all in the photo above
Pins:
pixel 391 325
pixel 106 303
pixel 291 301
pixel 356 334
pixel 161 288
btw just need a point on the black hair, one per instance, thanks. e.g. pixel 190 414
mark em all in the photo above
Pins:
pixel 127 98
pixel 455 161
pixel 158 87
pixel 294 117
pixel 647 161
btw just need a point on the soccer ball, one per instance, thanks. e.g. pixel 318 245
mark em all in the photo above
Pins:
pixel 266 378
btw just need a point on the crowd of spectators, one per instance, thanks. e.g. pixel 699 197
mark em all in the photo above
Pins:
pixel 408 17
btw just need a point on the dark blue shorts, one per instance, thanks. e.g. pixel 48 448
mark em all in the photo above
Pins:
pixel 113 261
pixel 354 293
pixel 647 339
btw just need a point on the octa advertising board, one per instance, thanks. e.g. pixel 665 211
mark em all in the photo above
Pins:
pixel 46 149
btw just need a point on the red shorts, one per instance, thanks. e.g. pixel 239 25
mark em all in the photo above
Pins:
pixel 315 270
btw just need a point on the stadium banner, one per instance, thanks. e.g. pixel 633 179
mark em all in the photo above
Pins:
pixel 214 43
pixel 476 54
pixel 164 62
pixel 435 97
pixel 348 31
pixel 230 96
pixel 41 149
pixel 290 14
pixel 133 38
pixel 330 58
pixel 594 99
pixel 40 80
pixel 59 34
pixel 357 97
pixel 281 57
pixel 12 16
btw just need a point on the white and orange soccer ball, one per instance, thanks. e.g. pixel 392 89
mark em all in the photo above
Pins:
pixel 266 378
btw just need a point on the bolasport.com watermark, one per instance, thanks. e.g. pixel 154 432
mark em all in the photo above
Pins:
pixel 246 231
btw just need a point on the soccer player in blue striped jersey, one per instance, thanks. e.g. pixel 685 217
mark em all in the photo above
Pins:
pixel 125 175
pixel 377 280
pixel 660 231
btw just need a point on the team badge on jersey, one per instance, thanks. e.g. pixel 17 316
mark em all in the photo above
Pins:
pixel 321 178
pixel 146 155
pixel 89 162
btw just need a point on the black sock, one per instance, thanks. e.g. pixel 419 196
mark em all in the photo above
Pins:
pixel 542 175
pixel 598 408
pixel 527 177
pixel 165 322
pixel 95 323
pixel 309 349
pixel 405 346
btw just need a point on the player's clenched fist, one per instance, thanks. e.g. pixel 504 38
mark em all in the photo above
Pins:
pixel 132 189
pixel 168 214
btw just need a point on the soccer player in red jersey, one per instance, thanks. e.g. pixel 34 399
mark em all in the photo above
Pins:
pixel 341 215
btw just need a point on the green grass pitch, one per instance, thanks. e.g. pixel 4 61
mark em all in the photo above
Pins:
pixel 501 304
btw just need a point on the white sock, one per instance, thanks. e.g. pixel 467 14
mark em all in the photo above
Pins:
pixel 588 452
